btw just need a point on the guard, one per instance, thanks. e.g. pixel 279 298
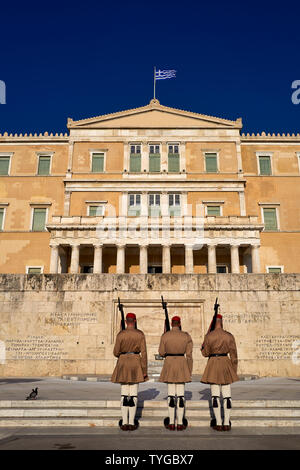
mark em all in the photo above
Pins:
pixel 220 371
pixel 176 346
pixel 130 370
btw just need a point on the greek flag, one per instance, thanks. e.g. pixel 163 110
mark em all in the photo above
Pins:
pixel 163 74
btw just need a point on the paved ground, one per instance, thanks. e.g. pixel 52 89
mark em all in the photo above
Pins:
pixel 59 389
pixel 113 439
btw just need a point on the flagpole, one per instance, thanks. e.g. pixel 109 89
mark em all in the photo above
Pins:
pixel 154 81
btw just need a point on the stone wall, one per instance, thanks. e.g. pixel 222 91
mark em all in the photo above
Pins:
pixel 55 324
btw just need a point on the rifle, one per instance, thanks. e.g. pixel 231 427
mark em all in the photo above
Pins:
pixel 213 323
pixel 164 306
pixel 120 306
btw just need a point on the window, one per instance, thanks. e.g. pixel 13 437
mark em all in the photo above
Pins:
pixel 173 158
pixel 270 218
pixel 134 204
pixel 264 165
pixel 34 270
pixel 154 205
pixel 274 269
pixel 4 164
pixel 39 219
pixel 213 210
pixel 154 158
pixel 135 158
pixel 1 218
pixel 96 211
pixel 44 165
pixel 174 204
pixel 97 162
pixel 211 163
pixel 221 268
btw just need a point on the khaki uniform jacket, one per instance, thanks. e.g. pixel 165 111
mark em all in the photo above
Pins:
pixel 220 370
pixel 130 368
pixel 176 369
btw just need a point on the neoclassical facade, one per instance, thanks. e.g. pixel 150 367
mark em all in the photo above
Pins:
pixel 150 190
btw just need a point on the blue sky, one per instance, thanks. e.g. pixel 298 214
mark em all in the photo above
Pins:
pixel 65 59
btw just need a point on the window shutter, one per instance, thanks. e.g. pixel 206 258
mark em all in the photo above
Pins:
pixel 173 163
pixel 34 270
pixel 270 219
pixel 44 166
pixel 213 210
pixel 154 162
pixel 1 218
pixel 264 165
pixel 4 165
pixel 135 162
pixel 98 163
pixel 95 210
pixel 274 270
pixel 211 163
pixel 39 219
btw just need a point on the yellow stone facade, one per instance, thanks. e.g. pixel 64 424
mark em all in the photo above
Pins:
pixel 81 201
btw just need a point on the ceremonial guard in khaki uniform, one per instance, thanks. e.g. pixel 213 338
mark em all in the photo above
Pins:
pixel 130 370
pixel 176 346
pixel 220 371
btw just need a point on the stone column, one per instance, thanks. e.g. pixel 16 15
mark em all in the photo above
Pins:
pixel 166 259
pixel 120 259
pixel 97 259
pixel 189 259
pixel 255 258
pixel 54 259
pixel 143 259
pixel 74 259
pixel 235 261
pixel 212 260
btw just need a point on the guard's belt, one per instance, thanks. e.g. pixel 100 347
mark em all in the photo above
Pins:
pixel 174 355
pixel 217 355
pixel 133 352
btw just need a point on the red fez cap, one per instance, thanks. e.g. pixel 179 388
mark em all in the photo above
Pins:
pixel 176 319
pixel 219 316
pixel 131 315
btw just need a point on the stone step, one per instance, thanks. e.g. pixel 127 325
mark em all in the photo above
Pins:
pixel 147 422
pixel 144 412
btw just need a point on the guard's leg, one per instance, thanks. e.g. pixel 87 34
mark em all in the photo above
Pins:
pixel 226 393
pixel 180 405
pixel 124 403
pixel 132 404
pixel 171 403
pixel 215 395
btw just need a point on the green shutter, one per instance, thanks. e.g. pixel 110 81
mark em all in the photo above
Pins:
pixel 39 219
pixel 270 219
pixel 98 163
pixel 274 270
pixel 173 163
pixel 4 165
pixel 34 271
pixel 1 218
pixel 264 165
pixel 44 166
pixel 211 163
pixel 154 162
pixel 135 162
pixel 95 210
pixel 213 210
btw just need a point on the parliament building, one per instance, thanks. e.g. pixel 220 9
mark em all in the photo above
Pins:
pixel 153 189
